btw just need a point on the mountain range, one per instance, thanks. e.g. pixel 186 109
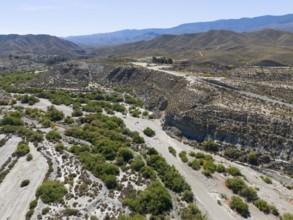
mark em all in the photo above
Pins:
pixel 284 23
pixel 37 45
pixel 220 46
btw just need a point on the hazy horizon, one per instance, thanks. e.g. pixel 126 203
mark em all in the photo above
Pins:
pixel 76 17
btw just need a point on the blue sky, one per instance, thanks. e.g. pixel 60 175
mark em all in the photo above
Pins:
pixel 79 17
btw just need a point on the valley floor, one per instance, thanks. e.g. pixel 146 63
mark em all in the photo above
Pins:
pixel 208 191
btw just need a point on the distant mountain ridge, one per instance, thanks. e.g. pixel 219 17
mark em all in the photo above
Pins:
pixel 14 44
pixel 284 23
pixel 219 46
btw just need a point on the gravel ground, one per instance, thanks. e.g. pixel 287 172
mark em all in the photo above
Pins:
pixel 14 200
pixel 7 149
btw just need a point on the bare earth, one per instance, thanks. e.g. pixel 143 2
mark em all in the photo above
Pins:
pixel 14 200
pixel 8 149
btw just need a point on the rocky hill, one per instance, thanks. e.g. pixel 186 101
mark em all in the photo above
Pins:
pixel 43 45
pixel 224 47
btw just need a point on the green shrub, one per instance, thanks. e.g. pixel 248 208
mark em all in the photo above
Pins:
pixel 188 196
pixel 77 113
pixel 137 164
pixel 29 214
pixel 110 181
pixel 53 136
pixel 53 114
pixel 45 210
pixel 68 120
pixel 183 156
pixel 10 120
pixel 240 206
pixel 148 172
pixel 207 173
pixel 59 147
pixel 168 174
pixel 119 108
pixel 149 132
pixel 249 193
pixel 172 151
pixel 236 184
pixel 191 212
pixel 252 158
pixel 21 150
pixel 232 153
pixel 70 212
pixel 155 199
pixel 33 204
pixel 221 168
pixel 24 183
pixel 287 216
pixel 125 153
pixel 234 171
pixel 29 157
pixel 105 169
pixel 210 145
pixel 274 210
pixel 51 191
pixel 195 164
pixel 26 99
pixel 262 205
pixel 136 138
pixel 210 166
pixel 266 179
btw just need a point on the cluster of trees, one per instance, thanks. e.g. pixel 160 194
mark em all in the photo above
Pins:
pixel 155 199
pixel 238 186
pixel 28 99
pixel 168 174
pixel 206 162
pixel 162 60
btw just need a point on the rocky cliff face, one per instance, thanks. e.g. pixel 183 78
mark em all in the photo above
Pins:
pixel 201 111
